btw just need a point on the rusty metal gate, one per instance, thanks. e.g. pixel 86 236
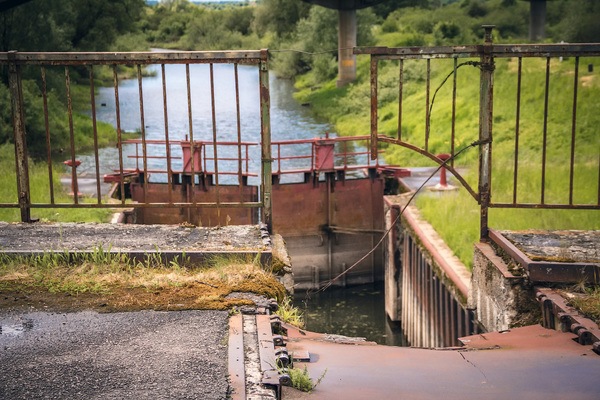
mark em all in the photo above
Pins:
pixel 14 62
pixel 483 57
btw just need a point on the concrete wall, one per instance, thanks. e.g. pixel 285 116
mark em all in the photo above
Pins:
pixel 501 299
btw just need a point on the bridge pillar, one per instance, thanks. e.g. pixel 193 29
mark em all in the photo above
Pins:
pixel 346 41
pixel 537 20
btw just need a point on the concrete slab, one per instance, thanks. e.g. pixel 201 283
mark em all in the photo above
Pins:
pixel 525 363
pixel 137 240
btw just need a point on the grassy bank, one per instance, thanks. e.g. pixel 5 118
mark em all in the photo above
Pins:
pixel 114 282
pixel 39 184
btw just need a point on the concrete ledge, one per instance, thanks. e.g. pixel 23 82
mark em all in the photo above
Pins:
pixel 139 242
pixel 501 299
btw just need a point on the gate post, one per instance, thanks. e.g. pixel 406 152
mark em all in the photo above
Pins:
pixel 18 118
pixel 486 103
pixel 265 122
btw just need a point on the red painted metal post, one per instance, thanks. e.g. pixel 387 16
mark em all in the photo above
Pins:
pixel 74 187
pixel 324 154
pixel 443 180
pixel 192 163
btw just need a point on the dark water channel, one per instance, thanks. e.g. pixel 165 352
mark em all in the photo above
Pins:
pixel 354 311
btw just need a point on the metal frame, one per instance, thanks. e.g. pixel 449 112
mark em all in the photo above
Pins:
pixel 486 54
pixel 16 60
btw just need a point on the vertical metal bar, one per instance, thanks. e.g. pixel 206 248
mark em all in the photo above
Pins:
pixel 544 142
pixel 18 117
pixel 468 322
pixel 429 294
pixel 191 128
pixel 406 254
pixel 72 139
pixel 168 145
pixel 48 146
pixel 119 141
pixel 453 112
pixel 401 87
pixel 204 156
pixel 460 322
pixel 239 130
pixel 447 322
pixel 214 129
pixel 312 157
pixel 441 313
pixel 373 107
pixel 453 332
pixel 95 131
pixel 143 131
pixel 427 116
pixel 247 158
pixel 278 158
pixel 517 127
pixel 265 105
pixel 486 113
pixel 573 129
pixel 345 156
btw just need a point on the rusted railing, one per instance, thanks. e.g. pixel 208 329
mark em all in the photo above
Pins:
pixel 323 155
pixel 309 156
pixel 483 57
pixel 15 61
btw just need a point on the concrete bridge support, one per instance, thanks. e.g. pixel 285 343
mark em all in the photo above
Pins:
pixel 537 20
pixel 346 41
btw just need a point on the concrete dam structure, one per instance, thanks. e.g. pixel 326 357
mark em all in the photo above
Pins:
pixel 330 212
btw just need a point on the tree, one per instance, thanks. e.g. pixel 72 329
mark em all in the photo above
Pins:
pixel 279 17
pixel 384 9
pixel 66 25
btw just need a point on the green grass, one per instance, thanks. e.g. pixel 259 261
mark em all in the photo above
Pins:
pixel 290 314
pixel 39 184
pixel 101 271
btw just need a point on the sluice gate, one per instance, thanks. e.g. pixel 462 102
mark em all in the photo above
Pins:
pixel 326 204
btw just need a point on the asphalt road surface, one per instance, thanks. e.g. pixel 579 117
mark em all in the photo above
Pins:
pixel 133 355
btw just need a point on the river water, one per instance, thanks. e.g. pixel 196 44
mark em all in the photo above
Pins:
pixel 289 120
pixel 354 311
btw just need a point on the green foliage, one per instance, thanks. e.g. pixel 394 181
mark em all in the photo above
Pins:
pixel 66 25
pixel 290 314
pixel 301 379
pixel 54 25
pixel 577 21
pixel 279 17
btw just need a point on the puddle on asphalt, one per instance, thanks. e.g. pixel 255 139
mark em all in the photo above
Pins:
pixel 16 329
